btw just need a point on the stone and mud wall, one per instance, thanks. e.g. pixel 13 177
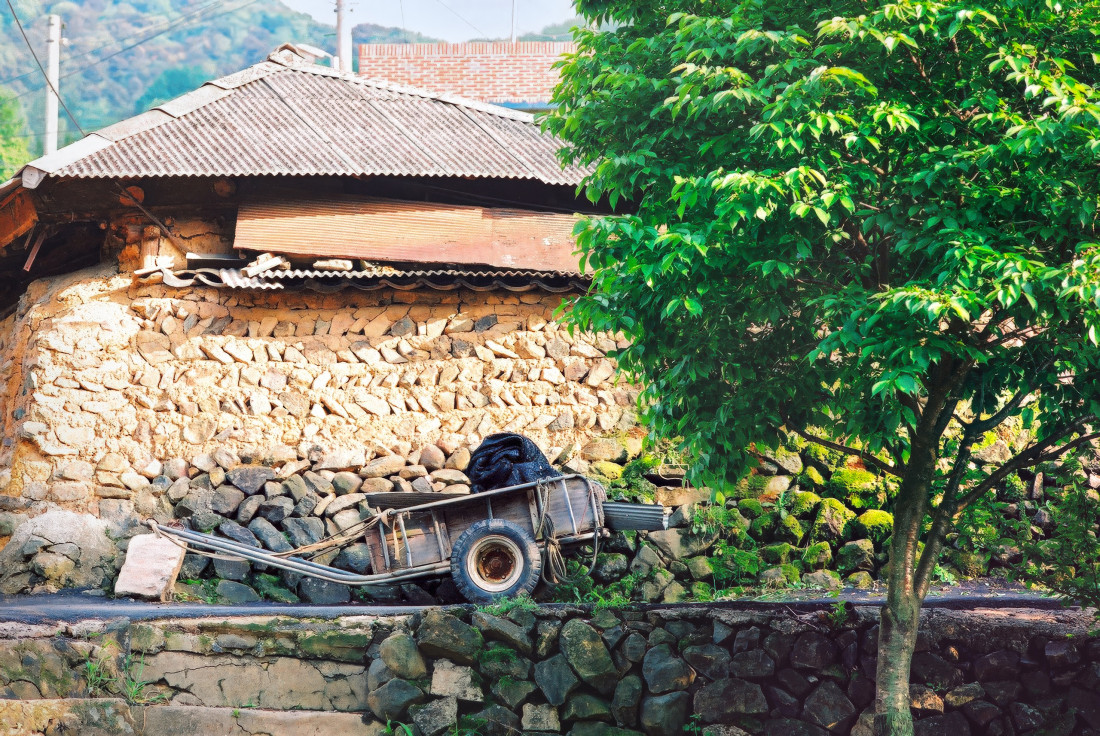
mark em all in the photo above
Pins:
pixel 551 670
pixel 105 382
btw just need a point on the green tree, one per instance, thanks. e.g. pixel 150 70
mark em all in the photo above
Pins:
pixel 875 219
pixel 14 143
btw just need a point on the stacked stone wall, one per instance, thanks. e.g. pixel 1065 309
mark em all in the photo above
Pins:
pixel 720 671
pixel 105 379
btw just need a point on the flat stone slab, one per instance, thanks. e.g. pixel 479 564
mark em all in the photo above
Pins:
pixel 190 720
pixel 152 564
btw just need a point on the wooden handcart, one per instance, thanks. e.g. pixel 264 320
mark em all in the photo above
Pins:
pixel 495 544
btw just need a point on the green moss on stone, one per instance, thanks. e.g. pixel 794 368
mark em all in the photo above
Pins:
pixel 803 503
pixel 776 554
pixel 750 508
pixel 789 529
pixel 818 555
pixel 857 488
pixel 875 525
pixel 812 477
pixel 763 526
pixel 833 522
pixel 791 573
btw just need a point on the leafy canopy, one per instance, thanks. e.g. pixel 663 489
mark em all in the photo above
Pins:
pixel 841 215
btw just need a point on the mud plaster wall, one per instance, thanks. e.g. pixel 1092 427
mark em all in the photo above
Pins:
pixel 102 376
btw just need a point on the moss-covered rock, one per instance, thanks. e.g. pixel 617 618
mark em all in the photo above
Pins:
pixel 826 579
pixel 859 489
pixel 763 486
pixel 817 556
pixel 776 554
pixel 833 522
pixel 861 580
pixel 750 508
pixel 812 477
pixel 856 556
pixel 969 564
pixel 789 529
pixel 791 573
pixel 608 469
pixel 875 525
pixel 803 503
pixel 763 526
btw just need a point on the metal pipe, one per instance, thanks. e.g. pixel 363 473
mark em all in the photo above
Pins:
pixel 304 567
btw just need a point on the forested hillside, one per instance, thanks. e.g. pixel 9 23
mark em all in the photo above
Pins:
pixel 124 56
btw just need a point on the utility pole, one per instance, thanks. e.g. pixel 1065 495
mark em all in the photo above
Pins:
pixel 53 73
pixel 343 36
pixel 513 21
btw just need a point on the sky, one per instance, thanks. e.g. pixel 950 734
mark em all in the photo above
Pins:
pixel 452 20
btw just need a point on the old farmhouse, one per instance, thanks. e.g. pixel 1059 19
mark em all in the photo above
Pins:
pixel 292 269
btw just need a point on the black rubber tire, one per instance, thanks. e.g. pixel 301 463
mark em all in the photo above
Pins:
pixel 498 544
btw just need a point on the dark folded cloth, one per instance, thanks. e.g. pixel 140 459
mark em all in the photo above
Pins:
pixel 504 460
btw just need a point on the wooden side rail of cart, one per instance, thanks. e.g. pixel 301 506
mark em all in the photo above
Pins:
pixel 490 542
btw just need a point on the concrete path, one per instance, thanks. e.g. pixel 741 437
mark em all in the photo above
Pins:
pixel 74 606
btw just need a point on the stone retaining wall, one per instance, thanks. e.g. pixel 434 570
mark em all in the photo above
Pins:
pixel 556 670
pixel 103 380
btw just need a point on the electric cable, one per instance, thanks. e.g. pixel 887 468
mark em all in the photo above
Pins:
pixel 123 50
pixel 462 18
pixel 116 41
pixel 42 69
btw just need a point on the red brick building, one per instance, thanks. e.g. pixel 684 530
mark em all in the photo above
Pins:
pixel 515 74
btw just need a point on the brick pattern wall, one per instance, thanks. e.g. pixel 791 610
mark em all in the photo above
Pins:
pixel 491 72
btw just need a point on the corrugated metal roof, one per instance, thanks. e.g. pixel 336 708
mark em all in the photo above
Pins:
pixel 289 117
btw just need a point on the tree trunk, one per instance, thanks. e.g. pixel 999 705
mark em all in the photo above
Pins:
pixel 896 640
pixel 900 616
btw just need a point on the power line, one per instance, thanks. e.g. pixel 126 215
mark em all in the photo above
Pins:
pixel 177 24
pixel 126 39
pixel 45 76
pixel 461 18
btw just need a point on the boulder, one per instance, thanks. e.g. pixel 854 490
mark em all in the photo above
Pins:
pixel 679 543
pixel 555 679
pixel 627 697
pixel 230 591
pixel 269 536
pixel 829 707
pixel 92 567
pixel 391 701
pixel 664 672
pixel 324 592
pixel 855 556
pixel 493 628
pixel 450 680
pixel 588 656
pixel 586 707
pixel 442 635
pixel 436 717
pixel 724 701
pixel 540 718
pixel 250 478
pixel 152 564
pixel 401 656
pixel 665 715
pixel 238 533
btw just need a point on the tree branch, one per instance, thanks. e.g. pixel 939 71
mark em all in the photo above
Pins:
pixel 1035 454
pixel 863 455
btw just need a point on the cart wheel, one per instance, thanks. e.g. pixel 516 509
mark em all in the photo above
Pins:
pixel 495 559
